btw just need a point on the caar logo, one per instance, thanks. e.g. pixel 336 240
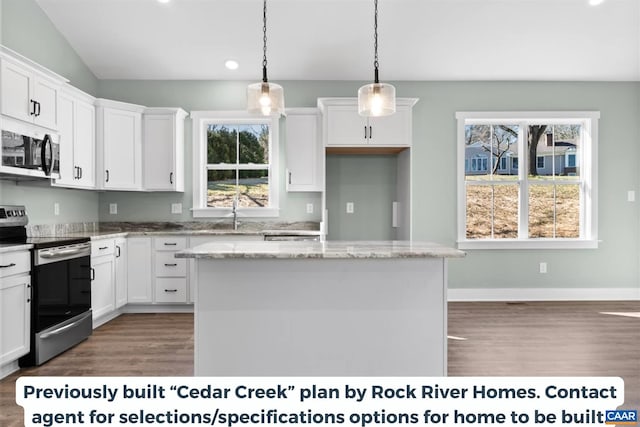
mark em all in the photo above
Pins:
pixel 621 417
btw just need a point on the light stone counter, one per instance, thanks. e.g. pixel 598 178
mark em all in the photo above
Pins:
pixel 327 249
pixel 320 308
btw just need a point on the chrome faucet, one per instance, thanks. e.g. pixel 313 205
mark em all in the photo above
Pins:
pixel 234 210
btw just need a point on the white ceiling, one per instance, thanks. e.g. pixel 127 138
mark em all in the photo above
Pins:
pixel 333 39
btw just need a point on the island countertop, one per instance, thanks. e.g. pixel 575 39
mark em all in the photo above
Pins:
pixel 322 250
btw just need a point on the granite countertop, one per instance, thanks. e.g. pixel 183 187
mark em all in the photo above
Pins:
pixel 12 247
pixel 320 250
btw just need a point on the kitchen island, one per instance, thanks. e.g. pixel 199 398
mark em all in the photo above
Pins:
pixel 332 308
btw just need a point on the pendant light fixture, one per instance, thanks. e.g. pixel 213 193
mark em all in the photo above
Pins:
pixel 376 99
pixel 264 97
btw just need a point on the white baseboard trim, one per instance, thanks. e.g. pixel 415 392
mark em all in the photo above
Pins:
pixel 8 369
pixel 544 294
pixel 157 308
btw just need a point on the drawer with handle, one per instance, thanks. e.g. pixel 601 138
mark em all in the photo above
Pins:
pixel 171 289
pixel 14 263
pixel 102 247
pixel 170 243
pixel 169 266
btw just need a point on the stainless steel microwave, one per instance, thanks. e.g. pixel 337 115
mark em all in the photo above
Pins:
pixel 29 150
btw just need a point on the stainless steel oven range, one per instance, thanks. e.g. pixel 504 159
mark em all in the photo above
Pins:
pixel 60 286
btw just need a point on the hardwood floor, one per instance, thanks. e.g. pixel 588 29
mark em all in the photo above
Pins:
pixel 524 339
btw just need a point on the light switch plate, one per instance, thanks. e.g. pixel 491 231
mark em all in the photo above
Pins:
pixel 113 208
pixel 56 208
pixel 176 208
pixel 309 208
pixel 543 267
pixel 631 196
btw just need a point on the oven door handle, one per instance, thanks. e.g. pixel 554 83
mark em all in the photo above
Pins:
pixel 61 253
pixel 63 328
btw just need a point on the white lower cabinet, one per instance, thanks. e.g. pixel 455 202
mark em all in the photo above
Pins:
pixel 139 270
pixel 15 309
pixel 121 271
pixel 103 287
pixel 170 276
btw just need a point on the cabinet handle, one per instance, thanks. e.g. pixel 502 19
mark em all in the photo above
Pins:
pixel 170 244
pixel 170 265
pixel 13 264
pixel 107 180
pixel 365 132
pixel 32 112
pixel 289 177
pixel 118 253
pixel 370 133
pixel 38 108
pixel 80 177
pixel 171 290
pixel 93 274
pixel 103 248
pixel 171 178
pixel 76 172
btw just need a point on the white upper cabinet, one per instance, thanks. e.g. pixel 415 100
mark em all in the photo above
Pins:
pixel 28 95
pixel 163 149
pixel 77 139
pixel 304 150
pixel 119 145
pixel 344 127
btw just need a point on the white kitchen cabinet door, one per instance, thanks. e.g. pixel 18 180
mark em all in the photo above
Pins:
pixel 28 96
pixel 15 317
pixel 304 150
pixel 163 149
pixel 76 126
pixel 139 270
pixel 85 144
pixel 345 127
pixel 121 272
pixel 16 92
pixel 102 286
pixel 119 142
pixel 45 93
pixel 66 130
pixel 393 130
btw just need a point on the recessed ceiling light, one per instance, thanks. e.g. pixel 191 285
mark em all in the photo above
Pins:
pixel 231 64
pixel 164 1
pixel 595 2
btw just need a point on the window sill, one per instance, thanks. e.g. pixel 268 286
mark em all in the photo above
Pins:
pixel 242 213
pixel 529 244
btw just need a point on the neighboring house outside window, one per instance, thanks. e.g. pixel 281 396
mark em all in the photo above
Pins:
pixel 550 202
pixel 235 164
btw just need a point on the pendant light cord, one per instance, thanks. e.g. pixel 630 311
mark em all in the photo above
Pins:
pixel 375 41
pixel 264 41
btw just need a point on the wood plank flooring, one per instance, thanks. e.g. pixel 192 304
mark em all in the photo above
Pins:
pixel 523 339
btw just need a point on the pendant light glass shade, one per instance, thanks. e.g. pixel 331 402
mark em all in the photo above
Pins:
pixel 265 98
pixel 376 99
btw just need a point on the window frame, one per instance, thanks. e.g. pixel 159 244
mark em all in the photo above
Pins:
pixel 200 121
pixel 588 179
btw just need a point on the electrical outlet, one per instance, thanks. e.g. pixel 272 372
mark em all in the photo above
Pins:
pixel 349 207
pixel 309 208
pixel 631 196
pixel 543 267
pixel 176 208
pixel 113 208
pixel 56 208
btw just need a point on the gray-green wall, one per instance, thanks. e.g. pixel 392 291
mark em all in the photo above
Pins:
pixel 615 264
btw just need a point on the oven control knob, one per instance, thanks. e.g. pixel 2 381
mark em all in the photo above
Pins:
pixel 9 213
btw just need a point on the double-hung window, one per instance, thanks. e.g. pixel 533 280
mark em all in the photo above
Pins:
pixel 545 198
pixel 235 164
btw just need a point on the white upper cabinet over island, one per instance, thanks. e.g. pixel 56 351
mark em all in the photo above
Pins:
pixel 344 127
